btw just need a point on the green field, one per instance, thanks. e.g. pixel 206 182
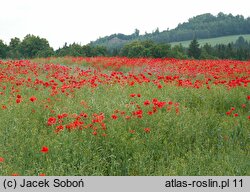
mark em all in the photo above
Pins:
pixel 214 41
pixel 81 118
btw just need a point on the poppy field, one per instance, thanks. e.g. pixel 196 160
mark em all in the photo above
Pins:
pixel 122 116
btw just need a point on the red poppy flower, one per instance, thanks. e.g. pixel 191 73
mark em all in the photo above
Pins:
pixel 18 100
pixel 127 117
pixel 42 174
pixel 236 114
pixel 150 112
pixel 1 159
pixel 33 98
pixel 147 130
pixel 132 95
pixel 160 104
pixel 45 149
pixel 159 86
pixel 154 100
pixel 114 116
pixel 132 131
pixel 51 121
pixel 147 102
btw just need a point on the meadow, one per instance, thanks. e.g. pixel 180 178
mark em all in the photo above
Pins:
pixel 120 116
pixel 214 41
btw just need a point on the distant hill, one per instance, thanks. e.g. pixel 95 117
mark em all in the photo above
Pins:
pixel 201 27
pixel 214 41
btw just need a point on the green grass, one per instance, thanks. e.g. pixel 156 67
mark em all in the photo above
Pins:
pixel 214 41
pixel 201 140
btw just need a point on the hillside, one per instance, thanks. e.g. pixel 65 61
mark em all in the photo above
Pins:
pixel 201 27
pixel 214 41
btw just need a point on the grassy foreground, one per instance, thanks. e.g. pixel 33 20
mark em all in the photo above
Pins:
pixel 76 120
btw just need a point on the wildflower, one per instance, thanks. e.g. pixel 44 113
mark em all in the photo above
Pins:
pixel 236 114
pixel 160 104
pixel 132 83
pixel 132 131
pixel 42 174
pixel 45 149
pixel 147 130
pixel 127 117
pixel 59 127
pixel 147 102
pixel 1 159
pixel 59 116
pixel 114 116
pixel 177 110
pixel 122 112
pixel 243 105
pixel 18 100
pixel 33 98
pixel 94 133
pixel 154 100
pixel 103 126
pixel 51 121
pixel 132 95
pixel 85 115
pixel 14 174
pixel 150 112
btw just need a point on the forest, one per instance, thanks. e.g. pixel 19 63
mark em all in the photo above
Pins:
pixel 200 27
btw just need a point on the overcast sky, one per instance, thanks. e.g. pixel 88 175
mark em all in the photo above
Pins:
pixel 81 21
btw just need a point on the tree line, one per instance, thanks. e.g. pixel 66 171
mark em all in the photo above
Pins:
pixel 240 50
pixel 203 27
pixel 200 27
pixel 34 46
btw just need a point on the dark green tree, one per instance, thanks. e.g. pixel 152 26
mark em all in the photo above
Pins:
pixel 161 51
pixel 34 46
pixel 3 50
pixel 194 50
pixel 178 51
pixel 136 33
pixel 14 48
